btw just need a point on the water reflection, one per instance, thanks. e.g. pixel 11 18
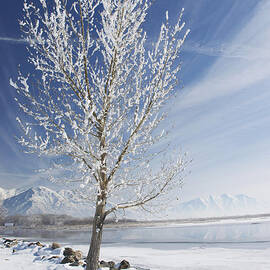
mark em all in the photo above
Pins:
pixel 235 233
pixel 211 233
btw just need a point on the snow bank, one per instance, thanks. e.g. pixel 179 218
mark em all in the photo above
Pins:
pixel 24 255
pixel 157 256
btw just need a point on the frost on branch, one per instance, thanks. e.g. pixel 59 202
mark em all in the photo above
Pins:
pixel 97 95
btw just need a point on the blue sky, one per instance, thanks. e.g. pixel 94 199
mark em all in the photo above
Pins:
pixel 222 115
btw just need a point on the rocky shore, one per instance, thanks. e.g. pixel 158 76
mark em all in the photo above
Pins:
pixel 55 254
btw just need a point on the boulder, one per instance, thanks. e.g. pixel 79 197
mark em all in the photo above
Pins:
pixel 53 257
pixel 111 264
pixel 9 240
pixel 36 243
pixel 103 264
pixel 69 252
pixel 78 255
pixel 39 244
pixel 76 263
pixel 10 243
pixel 124 265
pixel 68 259
pixel 72 256
pixel 55 245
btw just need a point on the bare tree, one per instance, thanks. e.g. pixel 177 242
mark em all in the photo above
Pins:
pixel 97 100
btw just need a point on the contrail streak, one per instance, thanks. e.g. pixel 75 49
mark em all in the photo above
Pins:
pixel 13 40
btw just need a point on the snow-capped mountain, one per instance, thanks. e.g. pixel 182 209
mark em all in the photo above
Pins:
pixel 224 205
pixel 42 200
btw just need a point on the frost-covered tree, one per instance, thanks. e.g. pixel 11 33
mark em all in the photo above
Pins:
pixel 3 213
pixel 96 97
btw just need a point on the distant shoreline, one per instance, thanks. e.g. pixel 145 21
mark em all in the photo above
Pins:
pixel 152 223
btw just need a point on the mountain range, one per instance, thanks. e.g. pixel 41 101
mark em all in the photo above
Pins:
pixel 223 205
pixel 43 200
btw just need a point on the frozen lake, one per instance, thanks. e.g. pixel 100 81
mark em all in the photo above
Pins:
pixel 249 232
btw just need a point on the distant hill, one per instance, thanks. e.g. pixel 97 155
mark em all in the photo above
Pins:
pixel 42 200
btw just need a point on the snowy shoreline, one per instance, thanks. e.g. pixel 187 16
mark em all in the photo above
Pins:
pixel 155 255
pixel 145 224
pixel 22 254
pixel 162 257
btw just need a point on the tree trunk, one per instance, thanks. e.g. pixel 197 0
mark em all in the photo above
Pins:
pixel 96 238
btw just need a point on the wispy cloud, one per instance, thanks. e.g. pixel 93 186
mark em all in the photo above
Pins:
pixel 216 50
pixel 13 40
pixel 223 118
pixel 21 175
pixel 238 65
pixel 228 51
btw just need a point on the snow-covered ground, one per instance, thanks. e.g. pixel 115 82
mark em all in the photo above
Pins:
pixel 173 257
pixel 30 258
pixel 165 256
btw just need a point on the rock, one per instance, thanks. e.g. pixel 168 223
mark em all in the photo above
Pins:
pixel 37 244
pixel 10 243
pixel 68 259
pixel 72 256
pixel 103 264
pixel 76 264
pixel 55 245
pixel 53 257
pixel 124 265
pixel 69 252
pixel 111 264
pixel 9 240
pixel 78 255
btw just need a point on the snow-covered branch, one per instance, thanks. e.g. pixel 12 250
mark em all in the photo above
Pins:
pixel 97 94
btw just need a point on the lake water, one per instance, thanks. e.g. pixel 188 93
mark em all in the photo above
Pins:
pixel 245 233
